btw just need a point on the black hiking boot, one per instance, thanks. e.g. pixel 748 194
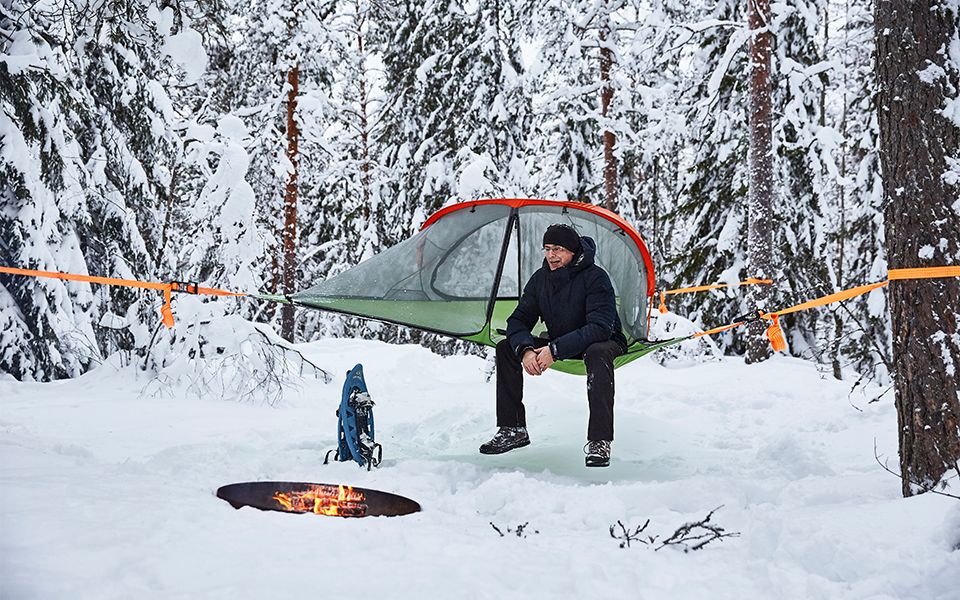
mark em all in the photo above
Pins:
pixel 598 453
pixel 505 440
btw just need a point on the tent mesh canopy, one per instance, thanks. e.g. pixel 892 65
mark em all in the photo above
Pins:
pixel 462 274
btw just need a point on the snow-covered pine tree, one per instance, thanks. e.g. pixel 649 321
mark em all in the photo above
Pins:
pixel 243 143
pixel 456 119
pixel 341 226
pixel 87 154
pixel 569 146
pixel 861 329
pixel 421 132
pixel 497 120
pixel 707 227
pixel 805 174
pixel 652 125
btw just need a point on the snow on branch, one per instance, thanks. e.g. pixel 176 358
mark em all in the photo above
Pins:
pixel 228 358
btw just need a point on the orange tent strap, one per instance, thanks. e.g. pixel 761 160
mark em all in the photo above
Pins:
pixel 775 334
pixel 716 286
pixel 830 298
pixel 923 273
pixel 87 278
pixel 167 288
pixel 717 329
pixel 166 310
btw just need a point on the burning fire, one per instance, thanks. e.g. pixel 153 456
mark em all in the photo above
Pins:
pixel 339 501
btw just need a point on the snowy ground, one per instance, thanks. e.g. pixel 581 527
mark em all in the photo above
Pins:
pixel 105 494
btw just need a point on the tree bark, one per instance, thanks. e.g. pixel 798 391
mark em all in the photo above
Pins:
pixel 609 138
pixel 364 123
pixel 290 206
pixel 922 230
pixel 760 236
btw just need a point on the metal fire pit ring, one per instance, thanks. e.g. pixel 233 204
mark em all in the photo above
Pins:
pixel 319 498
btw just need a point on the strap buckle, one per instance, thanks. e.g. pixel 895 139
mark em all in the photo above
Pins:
pixel 185 287
pixel 750 317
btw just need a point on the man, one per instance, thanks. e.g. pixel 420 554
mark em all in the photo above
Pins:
pixel 575 299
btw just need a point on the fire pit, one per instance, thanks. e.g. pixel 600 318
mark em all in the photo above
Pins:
pixel 318 498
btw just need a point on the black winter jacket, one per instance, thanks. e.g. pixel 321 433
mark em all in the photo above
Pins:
pixel 575 302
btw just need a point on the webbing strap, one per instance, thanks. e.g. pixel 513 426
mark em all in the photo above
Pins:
pixel 717 286
pixel 923 273
pixel 718 329
pixel 702 288
pixel 828 299
pixel 167 288
pixel 774 332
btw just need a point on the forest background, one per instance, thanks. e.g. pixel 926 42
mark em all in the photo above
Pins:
pixel 159 141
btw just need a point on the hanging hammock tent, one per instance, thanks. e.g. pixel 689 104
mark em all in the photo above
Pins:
pixel 462 274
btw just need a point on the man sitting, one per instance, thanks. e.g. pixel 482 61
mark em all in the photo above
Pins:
pixel 575 299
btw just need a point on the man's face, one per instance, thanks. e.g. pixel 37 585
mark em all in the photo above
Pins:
pixel 557 256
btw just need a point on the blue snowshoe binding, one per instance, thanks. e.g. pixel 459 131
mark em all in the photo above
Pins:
pixel 355 433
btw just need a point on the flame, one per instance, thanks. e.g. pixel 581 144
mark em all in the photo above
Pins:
pixel 339 501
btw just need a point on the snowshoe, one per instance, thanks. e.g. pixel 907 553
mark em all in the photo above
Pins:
pixel 355 431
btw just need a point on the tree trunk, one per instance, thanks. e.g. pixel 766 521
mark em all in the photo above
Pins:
pixel 609 138
pixel 364 123
pixel 760 237
pixel 290 206
pixel 922 230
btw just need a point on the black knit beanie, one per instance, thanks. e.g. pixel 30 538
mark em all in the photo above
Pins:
pixel 562 235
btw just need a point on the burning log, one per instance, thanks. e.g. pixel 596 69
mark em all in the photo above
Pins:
pixel 317 498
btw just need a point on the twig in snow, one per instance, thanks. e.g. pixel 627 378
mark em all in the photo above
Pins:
pixel 519 531
pixel 697 534
pixel 631 536
pixel 689 536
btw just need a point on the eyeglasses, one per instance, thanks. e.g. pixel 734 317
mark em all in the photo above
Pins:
pixel 554 250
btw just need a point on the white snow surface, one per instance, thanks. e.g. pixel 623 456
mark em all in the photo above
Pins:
pixel 105 493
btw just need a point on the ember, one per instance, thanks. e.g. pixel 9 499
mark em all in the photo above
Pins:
pixel 339 501
pixel 316 498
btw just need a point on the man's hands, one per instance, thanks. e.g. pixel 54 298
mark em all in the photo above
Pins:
pixel 536 361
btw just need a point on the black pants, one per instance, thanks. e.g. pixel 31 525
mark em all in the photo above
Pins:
pixel 599 360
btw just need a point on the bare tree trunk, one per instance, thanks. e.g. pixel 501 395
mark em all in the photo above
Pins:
pixel 922 230
pixel 609 138
pixel 760 237
pixel 360 19
pixel 290 206
pixel 842 208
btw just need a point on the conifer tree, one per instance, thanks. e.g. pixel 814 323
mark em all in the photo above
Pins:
pixel 90 154
pixel 804 174
pixel 707 226
pixel 861 330
pixel 570 144
pixel 455 114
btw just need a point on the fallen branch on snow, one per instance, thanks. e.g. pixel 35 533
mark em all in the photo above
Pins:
pixel 689 536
